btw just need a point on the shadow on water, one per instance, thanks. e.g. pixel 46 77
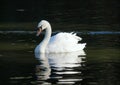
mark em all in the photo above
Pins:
pixel 19 66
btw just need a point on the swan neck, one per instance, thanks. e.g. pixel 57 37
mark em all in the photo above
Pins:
pixel 48 34
pixel 46 39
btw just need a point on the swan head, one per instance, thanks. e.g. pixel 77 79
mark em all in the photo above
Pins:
pixel 42 25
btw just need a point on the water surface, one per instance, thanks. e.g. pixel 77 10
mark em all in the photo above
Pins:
pixel 98 64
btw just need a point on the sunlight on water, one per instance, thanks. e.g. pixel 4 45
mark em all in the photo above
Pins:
pixel 87 32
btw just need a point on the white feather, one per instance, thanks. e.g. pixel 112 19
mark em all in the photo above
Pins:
pixel 64 42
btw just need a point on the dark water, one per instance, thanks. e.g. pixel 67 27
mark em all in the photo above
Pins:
pixel 99 64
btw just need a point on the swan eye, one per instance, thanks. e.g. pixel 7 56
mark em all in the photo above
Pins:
pixel 39 27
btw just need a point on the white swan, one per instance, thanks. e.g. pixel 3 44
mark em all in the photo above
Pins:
pixel 59 43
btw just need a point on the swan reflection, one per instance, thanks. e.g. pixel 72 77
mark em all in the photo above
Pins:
pixel 56 66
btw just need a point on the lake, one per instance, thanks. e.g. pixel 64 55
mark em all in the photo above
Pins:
pixel 98 64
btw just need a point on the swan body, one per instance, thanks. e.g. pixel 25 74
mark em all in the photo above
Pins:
pixel 59 43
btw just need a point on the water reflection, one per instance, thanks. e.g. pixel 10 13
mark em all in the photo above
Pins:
pixel 19 67
pixel 63 68
pixel 43 68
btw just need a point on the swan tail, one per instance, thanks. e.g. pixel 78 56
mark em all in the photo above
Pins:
pixel 81 46
pixel 75 36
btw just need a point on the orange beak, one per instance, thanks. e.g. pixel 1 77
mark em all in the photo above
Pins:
pixel 39 31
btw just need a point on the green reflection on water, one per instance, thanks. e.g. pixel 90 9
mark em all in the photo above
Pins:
pixel 103 55
pixel 65 26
